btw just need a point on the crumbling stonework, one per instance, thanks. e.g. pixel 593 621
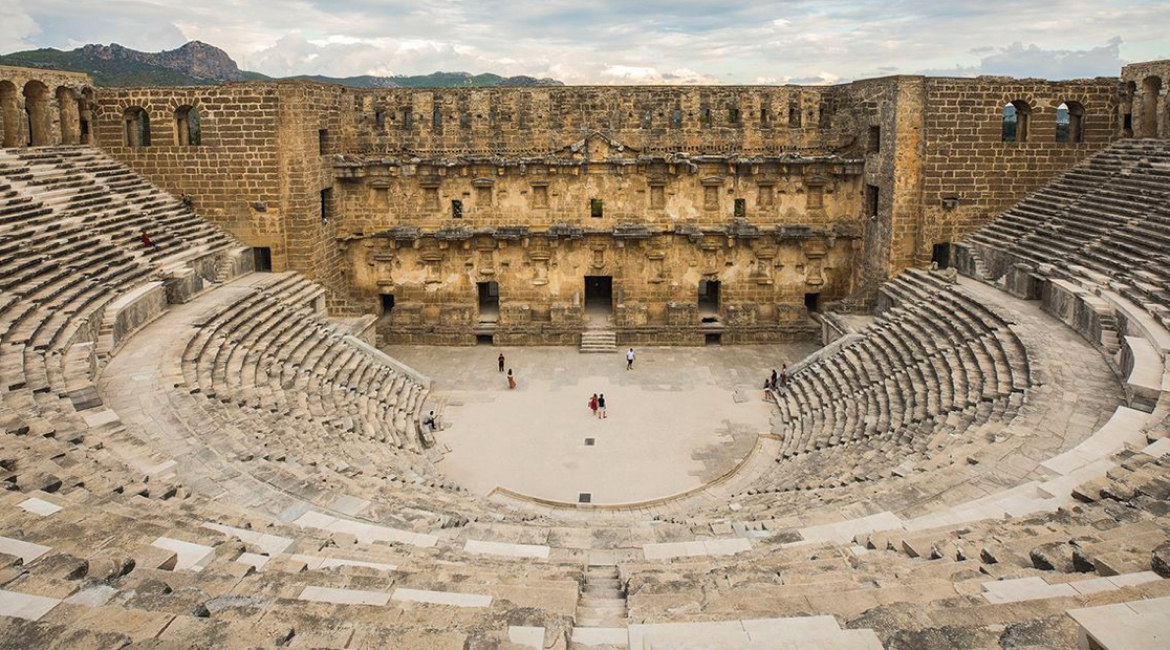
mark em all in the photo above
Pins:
pixel 788 197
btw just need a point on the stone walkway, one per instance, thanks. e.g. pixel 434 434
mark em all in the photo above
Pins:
pixel 683 417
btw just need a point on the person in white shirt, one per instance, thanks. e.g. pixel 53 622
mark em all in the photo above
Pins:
pixel 630 359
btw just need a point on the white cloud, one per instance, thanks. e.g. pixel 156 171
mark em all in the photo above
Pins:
pixel 619 41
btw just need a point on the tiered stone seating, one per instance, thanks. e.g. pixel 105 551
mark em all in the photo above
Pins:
pixel 1107 216
pixel 944 480
pixel 114 202
pixel 267 365
pixel 937 367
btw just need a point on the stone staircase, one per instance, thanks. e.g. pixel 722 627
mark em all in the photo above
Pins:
pixel 598 341
pixel 601 619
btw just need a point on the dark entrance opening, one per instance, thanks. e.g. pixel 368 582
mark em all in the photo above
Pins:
pixel 262 259
pixel 872 200
pixel 713 339
pixel 810 301
pixel 708 300
pixel 598 298
pixel 485 339
pixel 489 301
pixel 941 255
pixel 387 303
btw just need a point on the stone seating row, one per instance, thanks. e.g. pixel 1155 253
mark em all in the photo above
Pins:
pixel 1108 216
pixel 81 183
pixel 936 366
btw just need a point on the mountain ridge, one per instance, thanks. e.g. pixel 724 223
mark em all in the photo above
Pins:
pixel 196 63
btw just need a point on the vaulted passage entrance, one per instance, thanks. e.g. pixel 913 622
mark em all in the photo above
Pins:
pixel 489 302
pixel 598 298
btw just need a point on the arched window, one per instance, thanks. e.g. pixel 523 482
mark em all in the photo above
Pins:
pixel 1070 122
pixel 1016 117
pixel 1127 109
pixel 1151 88
pixel 36 106
pixel 136 127
pixel 10 113
pixel 68 116
pixel 85 116
pixel 187 128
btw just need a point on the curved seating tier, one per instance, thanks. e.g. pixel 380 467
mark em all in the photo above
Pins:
pixel 937 369
pixel 1109 215
pixel 116 534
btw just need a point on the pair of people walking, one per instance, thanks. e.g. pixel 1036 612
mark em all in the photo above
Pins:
pixel 511 377
pixel 597 405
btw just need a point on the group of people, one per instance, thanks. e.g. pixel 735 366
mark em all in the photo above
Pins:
pixel 511 377
pixel 778 381
pixel 597 406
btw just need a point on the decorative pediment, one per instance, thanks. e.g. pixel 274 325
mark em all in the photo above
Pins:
pixel 597 146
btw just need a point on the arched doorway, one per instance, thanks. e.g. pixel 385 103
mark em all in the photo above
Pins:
pixel 136 127
pixel 68 116
pixel 36 106
pixel 10 113
pixel 1151 88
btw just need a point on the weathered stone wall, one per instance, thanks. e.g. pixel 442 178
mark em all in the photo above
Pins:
pixel 541 280
pixel 969 174
pixel 843 185
pixel 59 106
pixel 518 122
pixel 233 176
pixel 313 127
pixel 1145 89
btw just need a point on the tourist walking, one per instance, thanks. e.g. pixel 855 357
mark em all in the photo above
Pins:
pixel 784 379
pixel 429 420
pixel 601 406
pixel 774 379
pixel 501 360
pixel 593 404
pixel 630 359
pixel 511 380
pixel 146 243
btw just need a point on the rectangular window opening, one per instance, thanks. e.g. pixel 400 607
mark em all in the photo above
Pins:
pixel 872 200
pixel 456 209
pixel 323 141
pixel 326 204
pixel 596 208
pixel 262 259
pixel 875 140
pixel 740 208
pixel 810 302
pixel 387 303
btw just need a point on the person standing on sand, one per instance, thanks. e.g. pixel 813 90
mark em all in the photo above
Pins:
pixel 511 380
pixel 593 404
pixel 630 359
pixel 601 406
pixel 501 360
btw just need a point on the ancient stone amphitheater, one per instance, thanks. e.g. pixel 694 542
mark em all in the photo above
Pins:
pixel 205 444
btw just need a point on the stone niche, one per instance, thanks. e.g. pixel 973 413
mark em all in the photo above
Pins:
pixel 457 315
pixel 567 314
pixel 740 314
pixel 786 313
pixel 682 314
pixel 515 313
pixel 631 314
pixel 407 314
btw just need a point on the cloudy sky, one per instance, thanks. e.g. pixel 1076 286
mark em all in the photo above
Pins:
pixel 622 41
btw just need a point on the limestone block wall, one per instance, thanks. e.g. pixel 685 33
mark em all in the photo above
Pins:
pixel 375 195
pixel 232 174
pixel 527 121
pixel 58 106
pixel 1145 89
pixel 969 174
pixel 541 281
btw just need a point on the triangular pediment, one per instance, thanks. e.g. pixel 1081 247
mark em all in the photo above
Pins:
pixel 598 146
